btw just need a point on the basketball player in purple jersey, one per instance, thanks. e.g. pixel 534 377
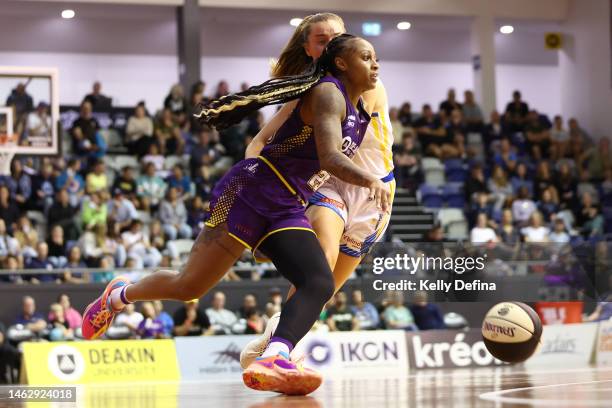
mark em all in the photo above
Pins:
pixel 345 221
pixel 260 204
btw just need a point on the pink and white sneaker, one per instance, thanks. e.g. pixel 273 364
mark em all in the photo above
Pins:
pixel 99 315
pixel 280 374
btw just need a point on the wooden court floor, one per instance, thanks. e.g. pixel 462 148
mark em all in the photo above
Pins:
pixel 499 388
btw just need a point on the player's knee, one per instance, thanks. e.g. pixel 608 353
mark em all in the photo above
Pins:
pixel 322 286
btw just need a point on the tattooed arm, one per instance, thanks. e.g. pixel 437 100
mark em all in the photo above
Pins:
pixel 327 109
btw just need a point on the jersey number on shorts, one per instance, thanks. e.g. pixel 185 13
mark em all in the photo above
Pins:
pixel 318 180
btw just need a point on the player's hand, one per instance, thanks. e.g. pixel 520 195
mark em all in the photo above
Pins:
pixel 380 193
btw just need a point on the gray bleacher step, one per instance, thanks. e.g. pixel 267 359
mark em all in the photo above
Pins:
pixel 411 227
pixel 405 209
pixel 409 237
pixel 405 200
pixel 412 218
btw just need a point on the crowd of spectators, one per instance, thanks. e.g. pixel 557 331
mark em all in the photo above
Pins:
pixel 524 177
pixel 531 180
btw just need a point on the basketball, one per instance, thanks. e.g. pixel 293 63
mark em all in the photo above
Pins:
pixel 511 331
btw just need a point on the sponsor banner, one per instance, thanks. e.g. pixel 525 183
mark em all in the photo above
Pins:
pixel 211 357
pixel 355 352
pixel 566 345
pixel 448 349
pixel 83 362
pixel 559 312
pixel 604 344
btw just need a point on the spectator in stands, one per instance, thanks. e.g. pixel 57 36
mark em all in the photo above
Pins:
pixel 559 234
pixel 547 205
pixel 72 316
pixel 9 359
pixel 500 187
pixel 521 179
pixel 167 134
pixel 405 114
pixel 559 137
pixel 450 104
pixel 472 113
pixel 481 205
pixel 8 244
pixel 396 126
pixel 26 235
pixel 210 153
pixel 577 132
pixel 196 215
pixel 92 244
pixel 506 157
pixel 537 135
pixel 129 318
pixel 164 318
pixel 482 233
pixel 589 217
pixel 255 323
pixel 150 327
pixel 98 101
pixel 195 107
pixel 121 210
pixel 72 182
pixel 11 263
pixel 139 132
pixel 126 182
pixel 94 210
pixel 58 327
pixel 75 266
pixel 222 89
pixel 475 183
pixel 427 316
pixel 535 231
pixel 599 159
pixel 397 316
pixel 507 232
pixel 493 131
pixel 516 113
pixel 566 187
pixel 606 185
pixel 96 180
pixel 456 130
pixel 430 131
pixel 9 211
pixel 139 248
pixel 21 100
pixel 43 189
pixel 191 320
pixel 407 159
pixel 179 180
pixel 156 158
pixel 176 104
pixel 63 214
pixel 88 127
pixel 57 247
pixel 19 184
pixel 173 214
pixel 29 318
pixel 151 188
pixel 340 317
pixel 39 123
pixel 365 312
pixel 544 181
pixel 221 319
pixel 249 303
pixel 41 261
pixel 523 207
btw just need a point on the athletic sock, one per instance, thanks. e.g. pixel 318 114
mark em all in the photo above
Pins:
pixel 276 346
pixel 118 299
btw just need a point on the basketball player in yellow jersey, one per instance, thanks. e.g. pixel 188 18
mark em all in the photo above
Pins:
pixel 346 222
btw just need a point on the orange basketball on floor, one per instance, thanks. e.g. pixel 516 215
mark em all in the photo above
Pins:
pixel 511 331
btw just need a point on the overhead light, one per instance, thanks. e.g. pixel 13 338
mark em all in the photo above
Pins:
pixel 371 29
pixel 507 29
pixel 67 14
pixel 295 21
pixel 404 25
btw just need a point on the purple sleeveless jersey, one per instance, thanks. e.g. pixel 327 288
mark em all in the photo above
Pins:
pixel 258 197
